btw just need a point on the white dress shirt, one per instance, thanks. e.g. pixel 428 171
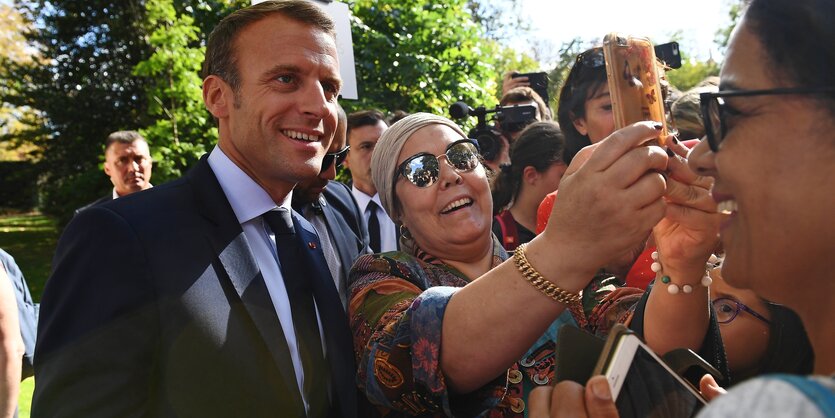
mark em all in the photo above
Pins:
pixel 249 201
pixel 388 232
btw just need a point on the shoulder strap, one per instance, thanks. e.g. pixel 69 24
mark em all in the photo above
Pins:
pixel 510 236
pixel 822 396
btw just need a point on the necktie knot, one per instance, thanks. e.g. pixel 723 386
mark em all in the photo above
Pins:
pixel 280 221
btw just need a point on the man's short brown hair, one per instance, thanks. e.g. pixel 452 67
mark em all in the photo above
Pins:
pixel 122 137
pixel 220 56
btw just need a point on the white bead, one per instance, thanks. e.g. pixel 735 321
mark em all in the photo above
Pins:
pixel 672 289
pixel 654 255
pixel 687 288
pixel 707 281
pixel 713 259
pixel 655 267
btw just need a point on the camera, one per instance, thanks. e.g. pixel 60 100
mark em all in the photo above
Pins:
pixel 510 119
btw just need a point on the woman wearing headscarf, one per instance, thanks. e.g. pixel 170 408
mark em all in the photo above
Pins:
pixel 447 327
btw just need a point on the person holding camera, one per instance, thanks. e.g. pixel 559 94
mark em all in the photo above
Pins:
pixel 518 108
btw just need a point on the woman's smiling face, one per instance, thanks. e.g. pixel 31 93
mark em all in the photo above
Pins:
pixel 775 178
pixel 454 212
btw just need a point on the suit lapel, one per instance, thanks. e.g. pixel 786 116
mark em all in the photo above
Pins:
pixel 340 353
pixel 337 228
pixel 238 263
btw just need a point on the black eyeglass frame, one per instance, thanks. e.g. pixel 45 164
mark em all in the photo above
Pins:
pixel 400 172
pixel 739 307
pixel 331 157
pixel 706 100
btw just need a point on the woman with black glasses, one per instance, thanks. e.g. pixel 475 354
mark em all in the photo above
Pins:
pixel 447 327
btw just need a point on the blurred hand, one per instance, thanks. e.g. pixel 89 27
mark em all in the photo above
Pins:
pixel 709 388
pixel 508 82
pixel 689 231
pixel 570 399
pixel 609 199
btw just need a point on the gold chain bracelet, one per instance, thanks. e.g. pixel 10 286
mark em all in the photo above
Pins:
pixel 540 283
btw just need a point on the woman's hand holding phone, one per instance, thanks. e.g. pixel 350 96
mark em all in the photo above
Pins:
pixel 613 184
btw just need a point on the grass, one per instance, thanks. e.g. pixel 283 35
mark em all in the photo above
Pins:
pixel 30 239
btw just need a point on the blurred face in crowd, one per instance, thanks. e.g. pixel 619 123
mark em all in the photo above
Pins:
pixel 745 337
pixel 308 191
pixel 773 180
pixel 280 122
pixel 451 215
pixel 128 166
pixel 362 140
pixel 599 122
pixel 549 180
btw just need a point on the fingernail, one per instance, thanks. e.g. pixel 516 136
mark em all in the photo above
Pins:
pixel 675 140
pixel 670 152
pixel 600 389
pixel 657 126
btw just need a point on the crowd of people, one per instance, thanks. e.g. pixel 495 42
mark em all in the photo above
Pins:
pixel 436 282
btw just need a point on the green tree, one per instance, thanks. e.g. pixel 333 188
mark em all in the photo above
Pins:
pixel 183 129
pixel 419 55
pixel 13 48
pixel 84 89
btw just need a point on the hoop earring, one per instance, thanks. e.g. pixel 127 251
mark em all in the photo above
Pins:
pixel 404 232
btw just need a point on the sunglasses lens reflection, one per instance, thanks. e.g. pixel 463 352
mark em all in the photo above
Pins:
pixel 422 171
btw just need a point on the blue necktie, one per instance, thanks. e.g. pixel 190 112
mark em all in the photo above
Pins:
pixel 297 280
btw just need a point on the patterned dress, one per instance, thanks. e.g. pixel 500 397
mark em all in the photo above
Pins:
pixel 397 303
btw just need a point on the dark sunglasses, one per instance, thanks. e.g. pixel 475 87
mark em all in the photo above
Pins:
pixel 334 157
pixel 424 169
pixel 728 308
pixel 714 108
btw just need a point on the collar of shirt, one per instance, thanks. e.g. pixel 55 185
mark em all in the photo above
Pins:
pixel 247 198
pixel 363 199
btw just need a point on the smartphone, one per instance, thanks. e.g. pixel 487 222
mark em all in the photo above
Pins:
pixel 577 352
pixel 642 384
pixel 538 82
pixel 634 83
pixel 669 53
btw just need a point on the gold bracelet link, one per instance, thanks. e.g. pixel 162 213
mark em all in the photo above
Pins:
pixel 539 282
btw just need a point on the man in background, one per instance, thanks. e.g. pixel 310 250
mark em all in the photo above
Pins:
pixel 364 130
pixel 329 206
pixel 128 163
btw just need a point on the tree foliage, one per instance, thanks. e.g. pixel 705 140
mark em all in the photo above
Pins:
pixel 84 88
pixel 14 49
pixel 182 129
pixel 419 55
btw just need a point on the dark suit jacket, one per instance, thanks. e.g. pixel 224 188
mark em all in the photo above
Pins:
pixel 346 224
pixel 156 307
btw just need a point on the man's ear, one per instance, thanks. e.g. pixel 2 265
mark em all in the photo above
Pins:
pixel 107 169
pixel 217 96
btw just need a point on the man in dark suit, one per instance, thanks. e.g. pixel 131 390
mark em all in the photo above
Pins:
pixel 128 163
pixel 329 206
pixel 206 296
